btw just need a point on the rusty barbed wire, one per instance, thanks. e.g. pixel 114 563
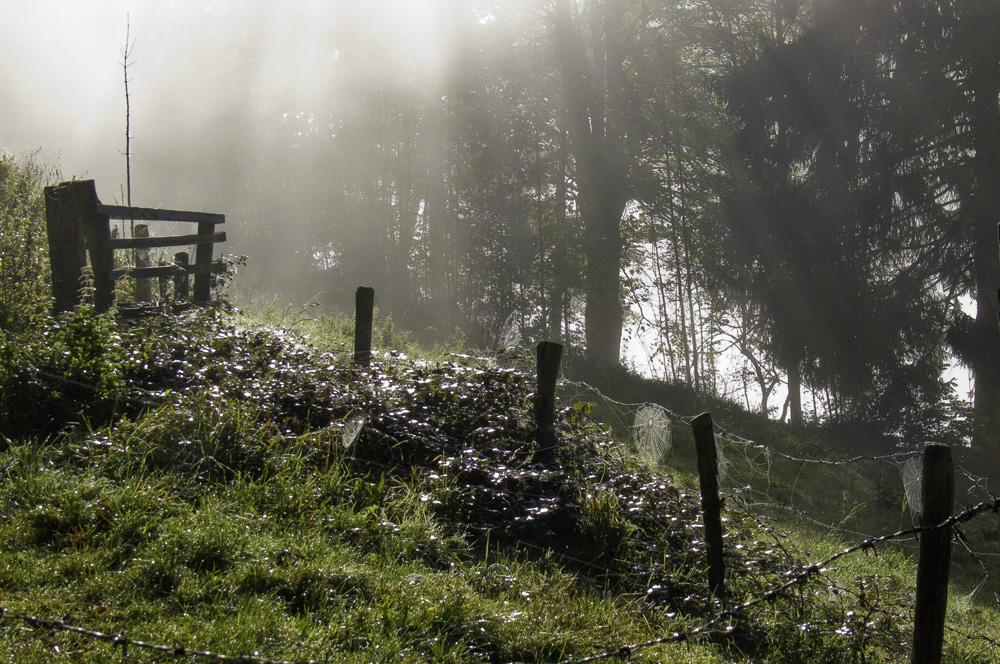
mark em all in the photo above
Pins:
pixel 121 641
pixel 795 579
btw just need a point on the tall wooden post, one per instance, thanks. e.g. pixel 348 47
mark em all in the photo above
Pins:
pixel 711 504
pixel 75 230
pixel 364 315
pixel 67 247
pixel 97 230
pixel 203 259
pixel 937 500
pixel 549 359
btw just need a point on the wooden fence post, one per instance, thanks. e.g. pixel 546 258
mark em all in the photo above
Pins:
pixel 143 285
pixel 549 358
pixel 77 229
pixel 937 500
pixel 67 248
pixel 203 259
pixel 711 504
pixel 364 314
pixel 97 231
pixel 163 283
pixel 181 287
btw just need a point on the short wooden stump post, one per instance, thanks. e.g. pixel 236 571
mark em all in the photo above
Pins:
pixel 364 314
pixel 549 359
pixel 143 285
pixel 937 497
pixel 181 288
pixel 711 504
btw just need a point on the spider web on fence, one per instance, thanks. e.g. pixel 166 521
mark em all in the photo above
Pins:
pixel 650 428
pixel 721 461
pixel 910 471
pixel 352 429
pixel 510 335
pixel 741 461
pixel 651 434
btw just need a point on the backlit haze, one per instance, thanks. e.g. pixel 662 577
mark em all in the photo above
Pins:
pixel 218 90
pixel 234 109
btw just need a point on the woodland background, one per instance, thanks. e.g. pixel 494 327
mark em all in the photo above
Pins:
pixel 807 186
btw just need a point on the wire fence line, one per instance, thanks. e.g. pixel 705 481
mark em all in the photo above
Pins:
pixel 714 626
pixel 757 458
pixel 801 515
pixel 124 642
pixel 795 579
pixel 717 625
pixel 723 433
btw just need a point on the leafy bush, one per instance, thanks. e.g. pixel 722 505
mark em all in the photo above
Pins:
pixel 69 371
pixel 24 258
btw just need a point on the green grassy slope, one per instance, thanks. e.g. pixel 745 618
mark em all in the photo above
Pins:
pixel 209 483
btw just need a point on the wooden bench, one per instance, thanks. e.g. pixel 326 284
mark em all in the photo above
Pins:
pixel 79 226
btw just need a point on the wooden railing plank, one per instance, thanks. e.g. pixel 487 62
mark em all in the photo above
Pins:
pixel 168 270
pixel 154 214
pixel 166 241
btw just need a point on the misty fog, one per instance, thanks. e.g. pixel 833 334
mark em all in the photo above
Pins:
pixel 224 96
pixel 781 203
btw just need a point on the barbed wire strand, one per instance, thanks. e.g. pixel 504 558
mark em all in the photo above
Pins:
pixel 796 579
pixel 896 458
pixel 120 640
pixel 720 430
pixel 804 516
pixel 722 434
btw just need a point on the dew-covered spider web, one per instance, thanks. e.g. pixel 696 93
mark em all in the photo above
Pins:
pixel 651 434
pixel 352 429
pixel 910 471
pixel 721 462
pixel 510 335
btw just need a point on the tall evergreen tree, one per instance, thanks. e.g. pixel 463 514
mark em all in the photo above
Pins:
pixel 825 230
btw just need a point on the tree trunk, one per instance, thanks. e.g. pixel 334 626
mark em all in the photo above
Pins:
pixel 435 209
pixel 794 394
pixel 597 102
pixel 558 292
pixel 406 214
pixel 603 313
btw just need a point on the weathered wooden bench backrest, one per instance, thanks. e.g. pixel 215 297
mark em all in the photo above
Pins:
pixel 79 225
